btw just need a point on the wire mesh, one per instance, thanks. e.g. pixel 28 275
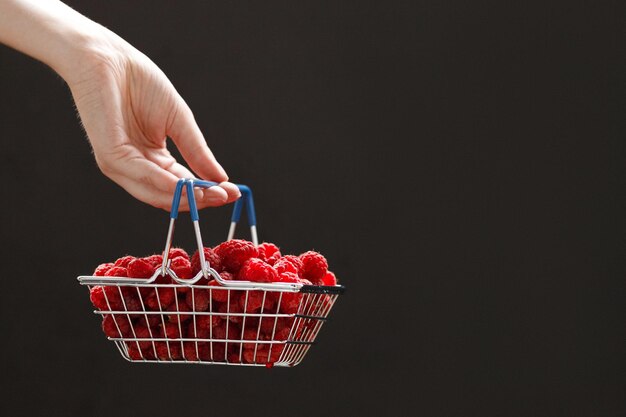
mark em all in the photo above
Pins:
pixel 175 323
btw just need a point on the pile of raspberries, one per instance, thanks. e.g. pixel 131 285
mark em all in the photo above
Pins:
pixel 233 260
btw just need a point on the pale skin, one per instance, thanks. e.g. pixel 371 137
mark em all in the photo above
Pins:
pixel 127 105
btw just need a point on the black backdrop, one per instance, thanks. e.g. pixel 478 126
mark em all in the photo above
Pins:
pixel 457 163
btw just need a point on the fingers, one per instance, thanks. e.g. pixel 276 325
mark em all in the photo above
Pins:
pixel 148 182
pixel 187 136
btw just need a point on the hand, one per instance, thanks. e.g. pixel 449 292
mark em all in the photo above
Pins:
pixel 127 105
pixel 128 108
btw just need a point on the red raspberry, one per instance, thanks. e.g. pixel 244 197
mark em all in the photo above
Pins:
pixel 314 267
pixel 257 271
pixel 295 261
pixel 178 253
pixel 234 332
pixel 268 324
pixel 182 267
pixel 254 300
pixel 219 352
pixel 207 321
pixel 198 299
pixel 211 257
pixel 268 252
pixel 233 307
pixel 263 354
pixel 102 269
pixel 133 351
pixel 166 297
pixel 96 295
pixel 289 301
pixel 171 330
pixel 220 294
pixel 251 334
pixel 155 260
pixel 111 330
pixel 234 253
pixel 182 308
pixel 140 268
pixel 131 300
pixel 124 261
pixel 115 298
pixel 329 279
pixel 117 271
pixel 143 332
pixel 153 320
pixel 282 265
pixel 193 351
pixel 173 353
pixel 196 331
pixel 282 334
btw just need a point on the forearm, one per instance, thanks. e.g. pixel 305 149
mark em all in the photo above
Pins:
pixel 53 33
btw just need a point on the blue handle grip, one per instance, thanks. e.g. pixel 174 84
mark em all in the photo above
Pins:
pixel 193 208
pixel 176 201
pixel 245 199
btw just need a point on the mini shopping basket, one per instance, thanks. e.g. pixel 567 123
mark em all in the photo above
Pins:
pixel 265 337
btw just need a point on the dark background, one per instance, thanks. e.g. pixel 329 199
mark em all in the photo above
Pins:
pixel 458 163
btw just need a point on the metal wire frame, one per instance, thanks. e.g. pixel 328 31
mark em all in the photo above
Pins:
pixel 276 333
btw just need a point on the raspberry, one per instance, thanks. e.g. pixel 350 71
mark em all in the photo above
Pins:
pixel 166 297
pixel 96 295
pixel 133 351
pixel 220 295
pixel 193 351
pixel 211 257
pixel 131 299
pixel 182 267
pixel 171 352
pixel 268 324
pixel 203 326
pixel 329 279
pixel 314 267
pixel 178 253
pixel 140 268
pixel 234 253
pixel 234 333
pixel 110 328
pixel 218 353
pixel 250 334
pixel 295 261
pixel 143 332
pixel 124 261
pixel 251 301
pixel 254 300
pixel 198 299
pixel 153 320
pixel 233 307
pixel 262 354
pixel 117 271
pixel 268 252
pixel 283 265
pixel 155 260
pixel 102 269
pixel 171 330
pixel 256 270
pixel 290 301
pixel 176 315
pixel 114 298
pixel 282 334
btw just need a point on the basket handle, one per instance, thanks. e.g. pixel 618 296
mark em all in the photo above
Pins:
pixel 190 184
pixel 245 199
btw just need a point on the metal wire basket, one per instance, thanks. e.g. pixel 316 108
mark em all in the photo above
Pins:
pixel 233 323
